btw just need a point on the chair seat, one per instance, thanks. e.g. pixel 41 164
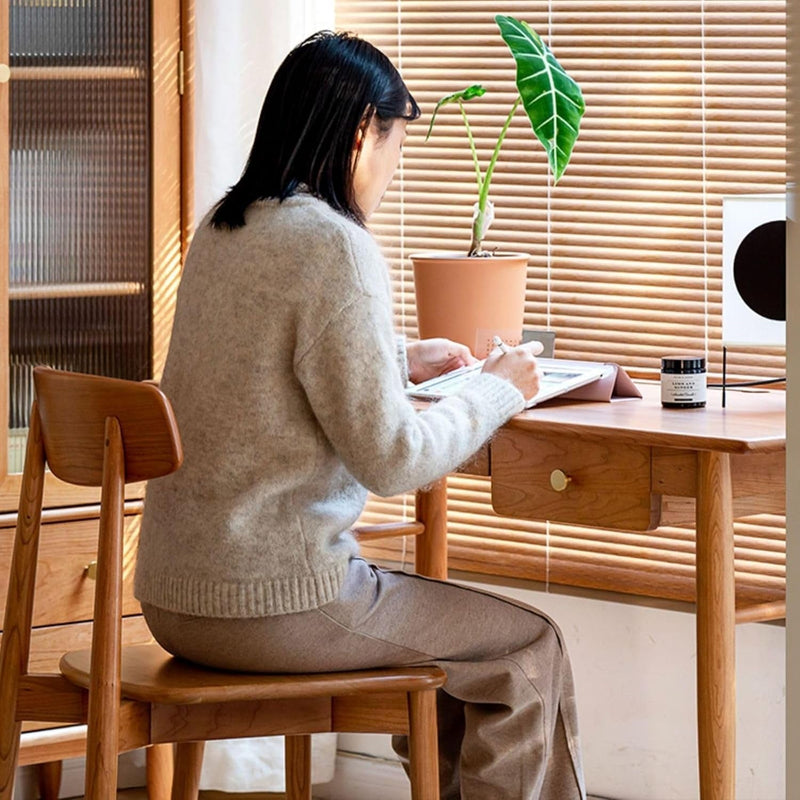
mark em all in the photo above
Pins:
pixel 107 432
pixel 151 674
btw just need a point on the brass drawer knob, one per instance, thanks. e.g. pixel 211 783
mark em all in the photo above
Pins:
pixel 90 570
pixel 559 480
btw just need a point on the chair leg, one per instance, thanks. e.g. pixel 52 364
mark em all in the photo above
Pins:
pixel 160 763
pixel 188 765
pixel 298 767
pixel 9 754
pixel 16 640
pixel 48 776
pixel 423 745
pixel 101 767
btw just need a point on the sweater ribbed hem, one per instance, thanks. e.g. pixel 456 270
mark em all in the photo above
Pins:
pixel 255 598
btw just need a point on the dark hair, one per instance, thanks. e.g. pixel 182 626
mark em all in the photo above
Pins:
pixel 327 89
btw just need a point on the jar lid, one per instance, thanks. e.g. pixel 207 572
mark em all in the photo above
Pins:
pixel 681 363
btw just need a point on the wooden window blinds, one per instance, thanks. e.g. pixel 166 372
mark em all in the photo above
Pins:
pixel 685 105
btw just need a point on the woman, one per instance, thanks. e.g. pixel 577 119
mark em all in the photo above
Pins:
pixel 288 386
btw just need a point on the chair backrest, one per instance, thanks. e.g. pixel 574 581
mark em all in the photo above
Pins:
pixel 73 409
pixel 92 431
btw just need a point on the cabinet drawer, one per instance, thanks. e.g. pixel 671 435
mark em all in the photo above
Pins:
pixel 608 483
pixel 49 644
pixel 64 592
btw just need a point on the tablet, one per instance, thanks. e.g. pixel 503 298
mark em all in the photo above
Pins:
pixel 558 376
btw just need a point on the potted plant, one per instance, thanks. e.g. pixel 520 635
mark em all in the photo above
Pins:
pixel 470 297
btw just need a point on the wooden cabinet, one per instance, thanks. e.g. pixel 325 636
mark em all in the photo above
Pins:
pixel 91 200
pixel 62 616
pixel 94 147
pixel 65 579
pixel 65 595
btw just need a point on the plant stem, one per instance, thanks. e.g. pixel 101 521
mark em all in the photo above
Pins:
pixel 483 193
pixel 490 169
pixel 472 147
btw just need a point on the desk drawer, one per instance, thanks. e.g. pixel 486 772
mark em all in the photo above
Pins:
pixel 608 483
pixel 64 592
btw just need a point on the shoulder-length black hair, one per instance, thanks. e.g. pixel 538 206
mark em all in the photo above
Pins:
pixel 327 89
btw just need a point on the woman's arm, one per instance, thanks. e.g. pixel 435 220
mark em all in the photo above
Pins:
pixel 357 394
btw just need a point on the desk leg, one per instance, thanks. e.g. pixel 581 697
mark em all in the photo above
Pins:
pixel 716 689
pixel 160 769
pixel 431 552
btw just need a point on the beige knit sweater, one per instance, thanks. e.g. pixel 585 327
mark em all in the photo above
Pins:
pixel 283 373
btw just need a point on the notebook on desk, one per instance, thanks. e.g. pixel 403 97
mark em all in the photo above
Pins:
pixel 559 377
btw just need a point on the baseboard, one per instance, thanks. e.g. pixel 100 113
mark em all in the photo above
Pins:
pixel 72 777
pixel 131 772
pixel 360 777
pixel 364 777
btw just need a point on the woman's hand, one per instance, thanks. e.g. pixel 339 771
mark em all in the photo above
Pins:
pixel 429 358
pixel 518 365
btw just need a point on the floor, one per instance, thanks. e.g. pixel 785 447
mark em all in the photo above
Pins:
pixel 141 794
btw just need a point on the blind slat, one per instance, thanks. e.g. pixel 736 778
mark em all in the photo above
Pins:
pixel 683 109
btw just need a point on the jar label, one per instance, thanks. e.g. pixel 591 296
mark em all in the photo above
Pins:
pixel 683 388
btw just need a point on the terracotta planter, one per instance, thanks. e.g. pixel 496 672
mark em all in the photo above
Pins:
pixel 470 299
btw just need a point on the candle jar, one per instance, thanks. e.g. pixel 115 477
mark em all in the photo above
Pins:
pixel 683 381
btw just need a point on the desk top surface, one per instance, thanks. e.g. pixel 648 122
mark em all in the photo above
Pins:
pixel 753 421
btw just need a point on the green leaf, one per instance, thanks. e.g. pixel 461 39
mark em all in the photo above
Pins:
pixel 552 100
pixel 471 92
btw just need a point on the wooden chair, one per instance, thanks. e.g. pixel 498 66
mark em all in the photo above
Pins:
pixel 106 432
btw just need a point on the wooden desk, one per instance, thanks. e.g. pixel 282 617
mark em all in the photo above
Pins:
pixel 621 462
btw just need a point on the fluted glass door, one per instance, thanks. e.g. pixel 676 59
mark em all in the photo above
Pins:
pixel 79 183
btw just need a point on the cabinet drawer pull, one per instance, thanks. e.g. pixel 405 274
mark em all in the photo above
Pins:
pixel 90 570
pixel 559 480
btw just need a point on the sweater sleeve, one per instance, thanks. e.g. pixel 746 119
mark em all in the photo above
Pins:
pixel 356 391
pixel 402 357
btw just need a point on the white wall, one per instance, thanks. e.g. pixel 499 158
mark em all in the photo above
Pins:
pixel 634 671
pixel 239 44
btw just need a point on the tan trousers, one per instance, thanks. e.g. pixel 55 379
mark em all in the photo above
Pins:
pixel 507 716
